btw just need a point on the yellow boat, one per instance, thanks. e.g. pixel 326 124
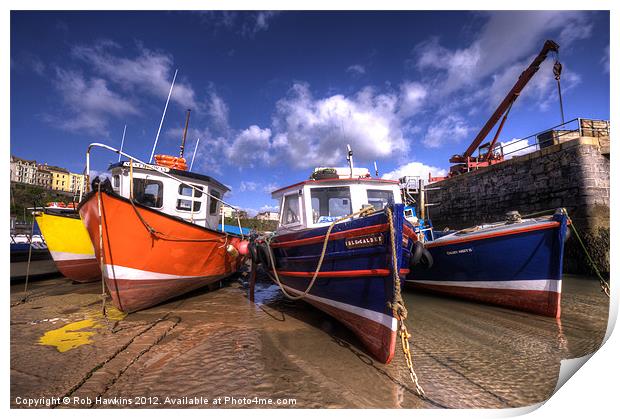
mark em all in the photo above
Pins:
pixel 69 244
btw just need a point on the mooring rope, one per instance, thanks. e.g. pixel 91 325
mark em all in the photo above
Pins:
pixel 152 231
pixel 25 297
pixel 320 264
pixel 101 261
pixel 603 283
pixel 399 310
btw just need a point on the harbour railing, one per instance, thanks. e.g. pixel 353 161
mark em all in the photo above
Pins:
pixel 575 128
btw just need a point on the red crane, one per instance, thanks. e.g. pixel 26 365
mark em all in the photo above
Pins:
pixel 465 162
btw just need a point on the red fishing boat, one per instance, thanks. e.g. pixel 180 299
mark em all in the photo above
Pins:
pixel 154 231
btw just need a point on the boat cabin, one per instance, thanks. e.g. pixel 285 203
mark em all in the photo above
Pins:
pixel 332 193
pixel 187 198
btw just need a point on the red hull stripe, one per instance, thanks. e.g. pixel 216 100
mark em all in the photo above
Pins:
pixel 342 274
pixel 334 236
pixel 553 224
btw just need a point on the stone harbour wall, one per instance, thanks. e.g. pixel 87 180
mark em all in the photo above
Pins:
pixel 573 175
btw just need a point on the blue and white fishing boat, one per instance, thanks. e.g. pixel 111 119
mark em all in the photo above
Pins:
pixel 343 245
pixel 516 263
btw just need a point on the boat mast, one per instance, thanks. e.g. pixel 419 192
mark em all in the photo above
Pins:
pixel 122 142
pixel 163 115
pixel 185 133
pixel 194 155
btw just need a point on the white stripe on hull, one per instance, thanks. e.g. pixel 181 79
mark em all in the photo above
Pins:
pixel 123 272
pixel 387 321
pixel 60 256
pixel 552 285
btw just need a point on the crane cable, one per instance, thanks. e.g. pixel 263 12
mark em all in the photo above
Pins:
pixel 557 72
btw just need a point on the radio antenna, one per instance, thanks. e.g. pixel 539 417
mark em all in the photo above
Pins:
pixel 376 169
pixel 350 160
pixel 163 115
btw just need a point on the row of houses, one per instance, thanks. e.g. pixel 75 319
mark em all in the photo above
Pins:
pixel 265 215
pixel 45 175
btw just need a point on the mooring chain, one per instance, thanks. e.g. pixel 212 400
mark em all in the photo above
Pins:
pixel 400 311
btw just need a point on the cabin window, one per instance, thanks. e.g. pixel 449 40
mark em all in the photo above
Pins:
pixel 379 199
pixel 186 190
pixel 148 192
pixel 329 204
pixel 117 180
pixel 213 205
pixel 290 209
pixel 185 204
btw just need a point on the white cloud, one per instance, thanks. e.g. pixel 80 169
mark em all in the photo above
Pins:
pixel 247 186
pixel 250 146
pixel 148 71
pixel 605 60
pixel 414 169
pixel 218 111
pixel 90 101
pixel 412 97
pixel 452 128
pixel 310 132
pixel 517 147
pixel 270 187
pixel 356 69
pixel 246 23
pixel 270 208
pixel 506 37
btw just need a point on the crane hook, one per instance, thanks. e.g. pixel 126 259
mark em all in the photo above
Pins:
pixel 557 69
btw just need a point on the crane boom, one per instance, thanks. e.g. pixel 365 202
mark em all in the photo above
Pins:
pixel 524 78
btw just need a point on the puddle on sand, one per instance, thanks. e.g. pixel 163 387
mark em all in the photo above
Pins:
pixel 73 334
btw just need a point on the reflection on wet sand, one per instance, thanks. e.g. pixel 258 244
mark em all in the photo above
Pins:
pixel 221 344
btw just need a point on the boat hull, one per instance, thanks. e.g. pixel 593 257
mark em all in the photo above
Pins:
pixel 518 266
pixel 70 246
pixel 355 283
pixel 143 269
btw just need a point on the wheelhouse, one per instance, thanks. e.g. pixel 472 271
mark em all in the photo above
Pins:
pixel 318 202
pixel 193 197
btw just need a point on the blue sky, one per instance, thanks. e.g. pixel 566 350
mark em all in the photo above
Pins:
pixel 275 94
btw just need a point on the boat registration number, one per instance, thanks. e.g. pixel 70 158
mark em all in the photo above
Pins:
pixel 364 241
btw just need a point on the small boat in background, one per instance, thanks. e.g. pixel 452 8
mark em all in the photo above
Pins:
pixel 158 231
pixel 516 263
pixel 27 244
pixel 68 242
pixel 333 248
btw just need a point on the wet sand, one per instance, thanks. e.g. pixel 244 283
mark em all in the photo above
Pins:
pixel 216 343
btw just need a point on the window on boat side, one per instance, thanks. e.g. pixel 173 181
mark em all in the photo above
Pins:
pixel 329 204
pixel 117 180
pixel 379 198
pixel 148 192
pixel 213 204
pixel 290 209
pixel 186 204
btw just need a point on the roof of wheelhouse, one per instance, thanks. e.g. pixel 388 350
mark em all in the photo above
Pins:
pixel 174 172
pixel 335 180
